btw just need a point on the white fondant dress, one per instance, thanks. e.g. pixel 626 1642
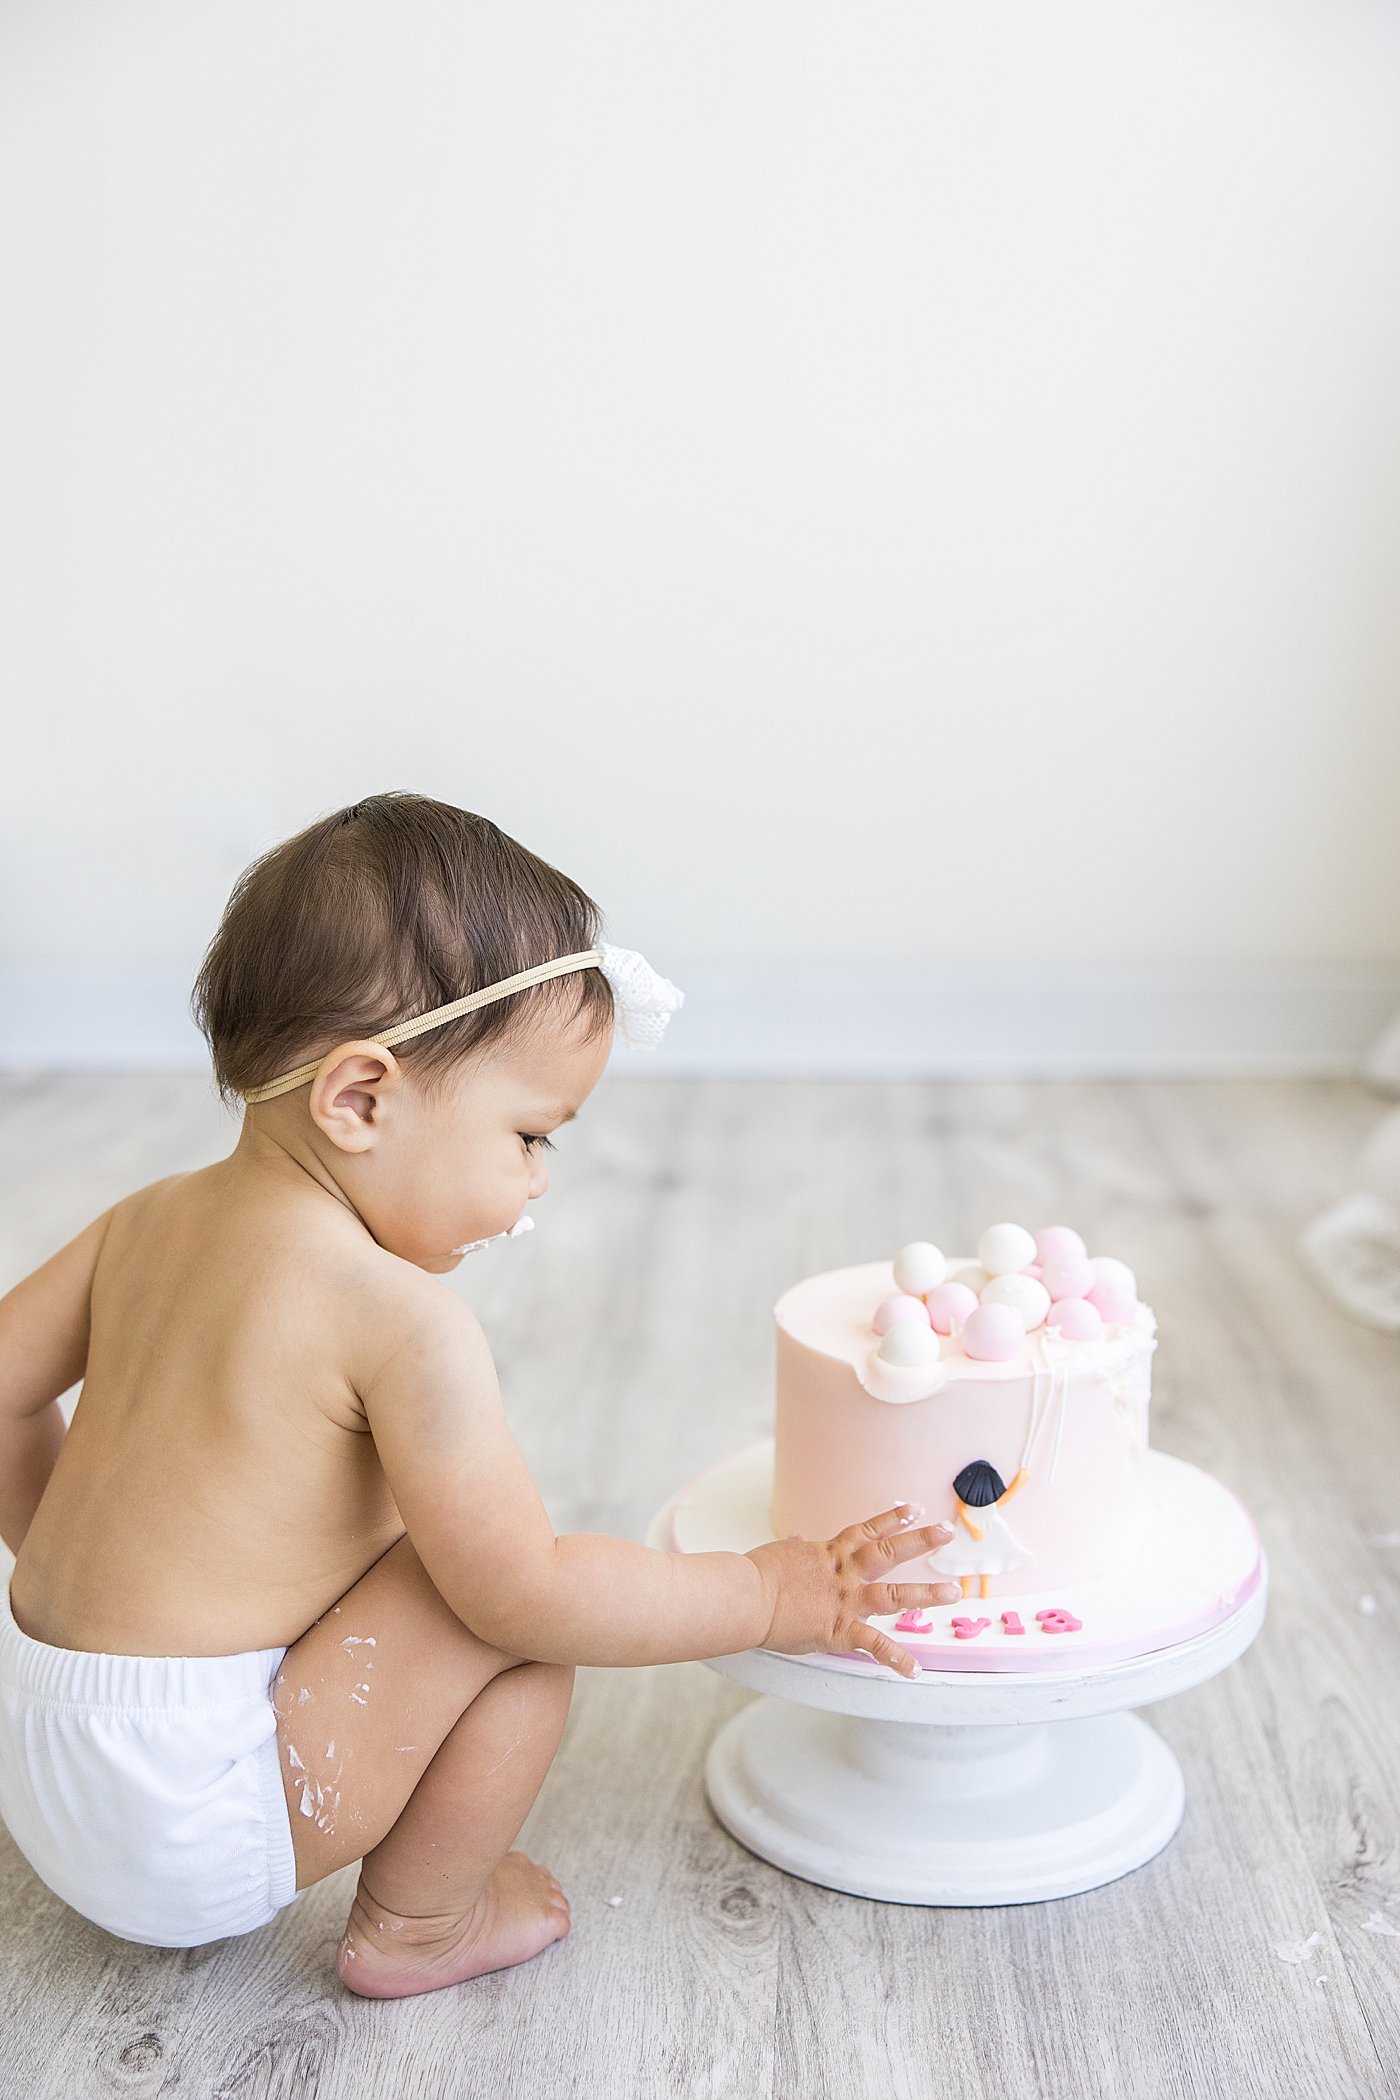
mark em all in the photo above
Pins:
pixel 997 1550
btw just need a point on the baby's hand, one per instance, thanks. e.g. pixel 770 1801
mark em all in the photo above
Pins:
pixel 819 1591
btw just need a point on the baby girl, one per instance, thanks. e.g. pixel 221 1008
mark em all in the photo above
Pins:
pixel 285 1596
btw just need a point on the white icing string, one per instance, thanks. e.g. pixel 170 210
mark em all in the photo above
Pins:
pixel 1053 1402
pixel 1058 1377
pixel 1033 1425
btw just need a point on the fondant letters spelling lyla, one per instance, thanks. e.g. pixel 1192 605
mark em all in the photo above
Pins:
pixel 1055 1619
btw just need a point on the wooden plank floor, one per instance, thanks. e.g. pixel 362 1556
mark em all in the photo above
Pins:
pixel 633 1335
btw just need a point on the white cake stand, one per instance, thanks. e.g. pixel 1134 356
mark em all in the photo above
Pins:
pixel 965 1786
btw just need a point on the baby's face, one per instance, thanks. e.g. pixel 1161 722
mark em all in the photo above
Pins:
pixel 462 1164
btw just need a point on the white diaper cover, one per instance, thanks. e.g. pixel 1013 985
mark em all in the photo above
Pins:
pixel 145 1790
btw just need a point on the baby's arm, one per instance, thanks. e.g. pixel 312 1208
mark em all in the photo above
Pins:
pixel 44 1323
pixel 481 1531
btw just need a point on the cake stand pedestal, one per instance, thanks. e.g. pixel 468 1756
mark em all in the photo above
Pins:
pixel 965 1786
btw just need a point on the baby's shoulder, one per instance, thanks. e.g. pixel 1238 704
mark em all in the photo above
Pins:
pixel 397 1306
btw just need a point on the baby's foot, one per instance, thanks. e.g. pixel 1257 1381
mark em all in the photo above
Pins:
pixel 521 1911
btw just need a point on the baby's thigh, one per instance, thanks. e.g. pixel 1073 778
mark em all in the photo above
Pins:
pixel 364 1700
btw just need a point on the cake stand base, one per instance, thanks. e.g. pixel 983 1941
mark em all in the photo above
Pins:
pixel 945 1815
pixel 967 1785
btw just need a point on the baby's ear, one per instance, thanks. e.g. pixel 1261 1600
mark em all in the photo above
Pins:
pixel 354 1087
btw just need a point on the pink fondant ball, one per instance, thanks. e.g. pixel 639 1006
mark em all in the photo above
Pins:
pixel 994 1333
pixel 1077 1320
pixel 949 1306
pixel 898 1311
pixel 1053 1241
pixel 1068 1276
pixel 1112 1301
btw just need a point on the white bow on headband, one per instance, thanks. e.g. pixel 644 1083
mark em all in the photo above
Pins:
pixel 644 1002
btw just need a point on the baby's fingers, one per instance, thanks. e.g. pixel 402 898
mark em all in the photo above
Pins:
pixel 889 1520
pixel 884 1597
pixel 886 1551
pixel 869 1640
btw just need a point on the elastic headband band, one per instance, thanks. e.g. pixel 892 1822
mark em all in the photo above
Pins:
pixel 644 1001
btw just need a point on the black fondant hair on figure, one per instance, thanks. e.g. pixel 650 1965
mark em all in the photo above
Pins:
pixel 979 1484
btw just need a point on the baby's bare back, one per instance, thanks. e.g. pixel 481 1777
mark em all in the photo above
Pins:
pixel 218 1488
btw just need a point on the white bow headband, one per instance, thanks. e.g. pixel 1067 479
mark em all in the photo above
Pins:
pixel 644 1003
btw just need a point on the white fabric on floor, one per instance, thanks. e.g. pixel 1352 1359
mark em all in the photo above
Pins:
pixel 1353 1249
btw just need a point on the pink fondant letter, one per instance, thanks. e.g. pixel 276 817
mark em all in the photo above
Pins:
pixel 1058 1620
pixel 968 1629
pixel 1011 1620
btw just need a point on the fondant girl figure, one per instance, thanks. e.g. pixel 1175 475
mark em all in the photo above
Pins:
pixel 986 1544
pixel 286 1597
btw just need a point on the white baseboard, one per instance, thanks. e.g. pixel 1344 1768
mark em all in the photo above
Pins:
pixel 962 1021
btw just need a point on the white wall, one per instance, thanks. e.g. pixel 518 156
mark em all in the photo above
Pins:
pixel 906 485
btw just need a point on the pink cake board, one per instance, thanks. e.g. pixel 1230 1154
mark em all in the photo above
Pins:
pixel 1199 1561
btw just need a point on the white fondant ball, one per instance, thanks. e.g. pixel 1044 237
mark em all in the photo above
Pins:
pixel 898 1311
pixel 971 1274
pixel 919 1267
pixel 910 1344
pixel 993 1333
pixel 1003 1250
pixel 1116 1274
pixel 1031 1299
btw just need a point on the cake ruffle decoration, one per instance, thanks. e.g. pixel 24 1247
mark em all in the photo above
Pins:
pixel 644 999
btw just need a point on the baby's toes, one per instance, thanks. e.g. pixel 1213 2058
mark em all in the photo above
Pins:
pixel 551 1894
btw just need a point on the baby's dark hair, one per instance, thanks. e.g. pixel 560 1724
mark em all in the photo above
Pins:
pixel 979 1484
pixel 376 914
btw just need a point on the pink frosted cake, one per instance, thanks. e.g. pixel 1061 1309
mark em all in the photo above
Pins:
pixel 1007 1394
